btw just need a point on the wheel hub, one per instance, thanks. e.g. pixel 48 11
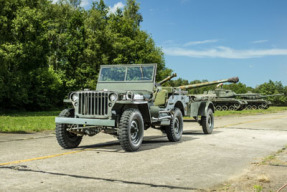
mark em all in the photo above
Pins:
pixel 176 125
pixel 210 121
pixel 134 132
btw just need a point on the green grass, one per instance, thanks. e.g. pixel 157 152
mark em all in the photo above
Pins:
pixel 251 112
pixel 26 122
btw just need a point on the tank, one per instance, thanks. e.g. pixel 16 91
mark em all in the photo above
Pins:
pixel 247 100
pixel 256 100
pixel 223 103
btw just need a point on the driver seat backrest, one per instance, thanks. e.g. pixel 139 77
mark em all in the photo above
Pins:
pixel 160 98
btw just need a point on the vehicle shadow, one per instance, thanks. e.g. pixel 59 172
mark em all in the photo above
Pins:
pixel 197 132
pixel 149 143
pixel 153 142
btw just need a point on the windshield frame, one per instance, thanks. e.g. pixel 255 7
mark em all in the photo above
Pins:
pixel 126 66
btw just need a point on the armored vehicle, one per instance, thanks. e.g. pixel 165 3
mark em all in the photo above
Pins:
pixel 222 103
pixel 256 100
pixel 128 101
pixel 229 100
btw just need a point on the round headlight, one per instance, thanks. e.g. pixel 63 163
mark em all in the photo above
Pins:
pixel 113 97
pixel 129 95
pixel 75 97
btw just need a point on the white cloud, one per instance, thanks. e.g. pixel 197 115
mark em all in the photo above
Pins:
pixel 200 42
pixel 259 41
pixel 116 6
pixel 225 52
pixel 84 3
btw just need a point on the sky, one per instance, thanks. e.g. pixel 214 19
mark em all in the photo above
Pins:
pixel 218 39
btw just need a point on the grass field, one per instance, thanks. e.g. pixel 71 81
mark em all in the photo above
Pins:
pixel 251 112
pixel 25 122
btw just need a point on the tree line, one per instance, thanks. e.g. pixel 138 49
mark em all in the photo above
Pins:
pixel 48 50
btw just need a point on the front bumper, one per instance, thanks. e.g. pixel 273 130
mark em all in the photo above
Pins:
pixel 81 121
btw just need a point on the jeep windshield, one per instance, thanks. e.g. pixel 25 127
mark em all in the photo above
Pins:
pixel 126 73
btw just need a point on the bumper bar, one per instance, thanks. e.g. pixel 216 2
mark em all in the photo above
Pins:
pixel 80 121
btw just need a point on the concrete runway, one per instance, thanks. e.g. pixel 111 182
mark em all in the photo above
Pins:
pixel 35 162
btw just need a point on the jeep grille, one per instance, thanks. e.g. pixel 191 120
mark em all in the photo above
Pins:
pixel 93 103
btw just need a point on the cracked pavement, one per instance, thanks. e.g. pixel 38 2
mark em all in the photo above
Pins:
pixel 33 162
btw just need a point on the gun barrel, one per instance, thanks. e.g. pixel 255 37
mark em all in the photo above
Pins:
pixel 279 94
pixel 256 95
pixel 230 80
pixel 167 79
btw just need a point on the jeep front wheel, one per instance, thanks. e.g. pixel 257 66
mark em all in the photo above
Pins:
pixel 131 130
pixel 65 138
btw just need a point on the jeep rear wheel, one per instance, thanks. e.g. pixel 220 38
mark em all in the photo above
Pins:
pixel 207 122
pixel 131 130
pixel 174 131
pixel 65 138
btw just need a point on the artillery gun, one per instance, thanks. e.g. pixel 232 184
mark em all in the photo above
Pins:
pixel 126 102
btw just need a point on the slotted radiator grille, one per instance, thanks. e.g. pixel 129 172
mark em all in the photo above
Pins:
pixel 93 103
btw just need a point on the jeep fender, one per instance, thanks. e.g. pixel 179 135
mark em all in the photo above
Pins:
pixel 141 106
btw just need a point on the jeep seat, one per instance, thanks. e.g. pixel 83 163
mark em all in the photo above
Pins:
pixel 160 98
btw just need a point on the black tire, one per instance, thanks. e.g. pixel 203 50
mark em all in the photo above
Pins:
pixel 207 122
pixel 66 139
pixel 131 130
pixel 174 131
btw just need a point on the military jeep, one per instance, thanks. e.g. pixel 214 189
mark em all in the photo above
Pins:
pixel 126 102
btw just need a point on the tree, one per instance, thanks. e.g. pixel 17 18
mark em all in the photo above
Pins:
pixel 271 88
pixel 48 50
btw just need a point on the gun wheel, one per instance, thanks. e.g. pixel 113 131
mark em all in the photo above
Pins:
pixel 65 138
pixel 131 130
pixel 207 122
pixel 175 129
